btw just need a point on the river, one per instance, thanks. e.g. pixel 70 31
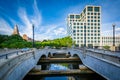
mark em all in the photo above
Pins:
pixel 57 67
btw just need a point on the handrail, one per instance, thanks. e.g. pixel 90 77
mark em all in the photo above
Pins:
pixel 12 62
pixel 6 55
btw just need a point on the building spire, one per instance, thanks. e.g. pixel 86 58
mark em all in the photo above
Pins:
pixel 16 31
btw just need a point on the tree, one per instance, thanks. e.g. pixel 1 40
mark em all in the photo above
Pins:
pixel 106 47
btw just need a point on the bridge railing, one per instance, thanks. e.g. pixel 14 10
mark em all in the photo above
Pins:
pixel 107 55
pixel 7 55
pixel 6 66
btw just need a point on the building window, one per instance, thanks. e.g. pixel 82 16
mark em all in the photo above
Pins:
pixel 74 27
pixel 77 23
pixel 98 13
pixel 90 8
pixel 97 9
pixel 74 23
pixel 71 16
pixel 77 16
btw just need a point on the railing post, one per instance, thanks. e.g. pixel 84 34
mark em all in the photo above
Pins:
pixel 17 52
pixel 33 54
pixel 6 56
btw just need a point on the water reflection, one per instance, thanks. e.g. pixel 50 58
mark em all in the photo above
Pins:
pixel 57 67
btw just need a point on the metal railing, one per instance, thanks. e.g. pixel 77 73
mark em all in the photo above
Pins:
pixel 8 54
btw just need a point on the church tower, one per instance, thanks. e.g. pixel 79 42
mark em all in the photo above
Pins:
pixel 16 31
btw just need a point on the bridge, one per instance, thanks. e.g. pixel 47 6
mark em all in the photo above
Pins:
pixel 16 65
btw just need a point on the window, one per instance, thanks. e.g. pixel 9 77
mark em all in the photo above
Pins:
pixel 77 23
pixel 77 16
pixel 90 9
pixel 74 23
pixel 97 9
pixel 74 27
pixel 71 16
pixel 98 13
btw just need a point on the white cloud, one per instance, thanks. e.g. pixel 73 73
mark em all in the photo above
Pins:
pixel 50 32
pixel 107 29
pixel 60 31
pixel 5 28
pixel 27 21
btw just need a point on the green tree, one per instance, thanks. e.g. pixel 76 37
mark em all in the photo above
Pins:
pixel 106 47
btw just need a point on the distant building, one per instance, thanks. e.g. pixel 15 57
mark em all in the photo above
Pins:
pixel 25 37
pixel 84 28
pixel 15 31
pixel 109 41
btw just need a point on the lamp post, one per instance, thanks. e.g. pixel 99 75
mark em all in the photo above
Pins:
pixel 113 34
pixel 33 36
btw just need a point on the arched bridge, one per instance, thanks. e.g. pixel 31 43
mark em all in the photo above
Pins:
pixel 15 67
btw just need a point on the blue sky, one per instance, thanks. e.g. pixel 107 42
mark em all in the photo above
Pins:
pixel 49 16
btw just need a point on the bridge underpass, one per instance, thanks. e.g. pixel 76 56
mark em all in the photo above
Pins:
pixel 78 70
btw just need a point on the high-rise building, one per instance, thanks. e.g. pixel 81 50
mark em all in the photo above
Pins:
pixel 15 31
pixel 84 28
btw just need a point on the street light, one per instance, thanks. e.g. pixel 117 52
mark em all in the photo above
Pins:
pixel 113 34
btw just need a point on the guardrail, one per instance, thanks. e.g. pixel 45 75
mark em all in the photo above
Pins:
pixel 7 66
pixel 103 55
pixel 6 55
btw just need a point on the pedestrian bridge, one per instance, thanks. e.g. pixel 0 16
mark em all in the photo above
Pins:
pixel 14 66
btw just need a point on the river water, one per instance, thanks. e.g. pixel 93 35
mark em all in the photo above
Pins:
pixel 57 67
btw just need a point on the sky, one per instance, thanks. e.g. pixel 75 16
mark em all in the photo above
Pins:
pixel 49 16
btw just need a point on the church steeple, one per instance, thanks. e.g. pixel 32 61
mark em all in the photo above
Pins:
pixel 16 31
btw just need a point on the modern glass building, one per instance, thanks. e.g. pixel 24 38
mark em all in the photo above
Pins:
pixel 84 28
